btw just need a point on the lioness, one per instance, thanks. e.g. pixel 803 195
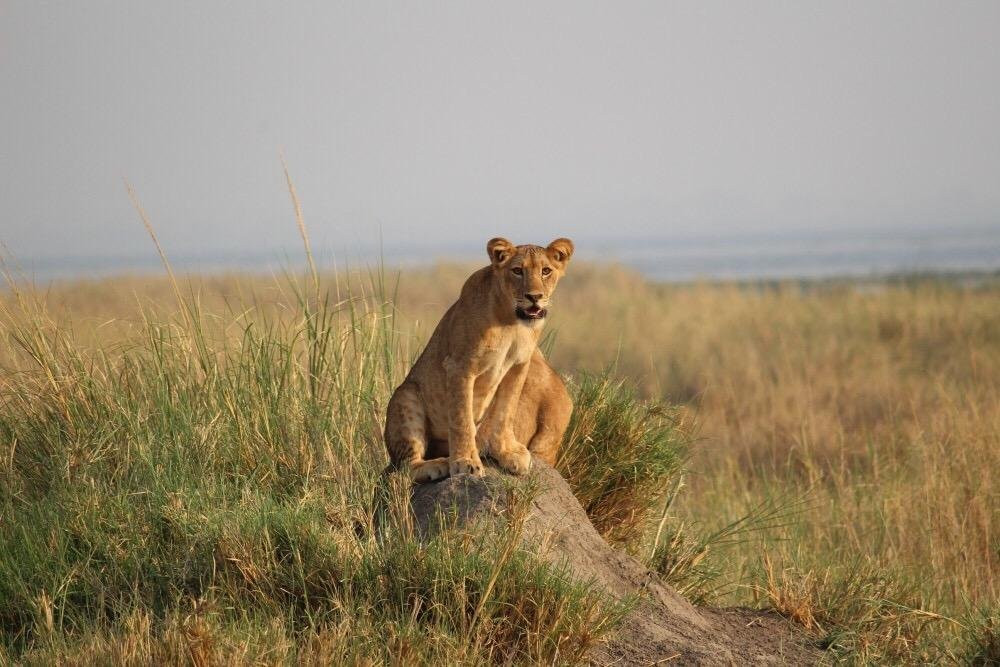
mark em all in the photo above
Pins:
pixel 481 386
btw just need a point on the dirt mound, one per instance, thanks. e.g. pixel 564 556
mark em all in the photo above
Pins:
pixel 664 627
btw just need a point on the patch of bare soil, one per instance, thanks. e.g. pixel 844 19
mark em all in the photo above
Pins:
pixel 664 628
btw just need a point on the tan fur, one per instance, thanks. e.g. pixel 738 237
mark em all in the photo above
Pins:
pixel 482 386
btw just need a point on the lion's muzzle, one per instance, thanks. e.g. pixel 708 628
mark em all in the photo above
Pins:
pixel 532 312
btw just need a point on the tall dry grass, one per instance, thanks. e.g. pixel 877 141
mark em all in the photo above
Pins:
pixel 870 412
pixel 186 486
pixel 849 432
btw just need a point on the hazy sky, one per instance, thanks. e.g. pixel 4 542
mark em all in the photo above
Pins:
pixel 426 121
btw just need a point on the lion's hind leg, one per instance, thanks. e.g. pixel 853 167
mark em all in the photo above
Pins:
pixel 544 411
pixel 552 424
pixel 406 436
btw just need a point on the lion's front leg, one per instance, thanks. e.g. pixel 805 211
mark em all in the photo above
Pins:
pixel 496 434
pixel 463 456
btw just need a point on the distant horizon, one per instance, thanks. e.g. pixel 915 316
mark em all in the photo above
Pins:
pixel 750 255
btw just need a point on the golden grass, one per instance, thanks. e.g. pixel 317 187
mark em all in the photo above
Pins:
pixel 205 491
pixel 876 407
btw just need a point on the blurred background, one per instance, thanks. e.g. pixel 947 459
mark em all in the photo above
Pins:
pixel 684 139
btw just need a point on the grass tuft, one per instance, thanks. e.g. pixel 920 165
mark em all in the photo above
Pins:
pixel 621 457
pixel 982 638
pixel 863 613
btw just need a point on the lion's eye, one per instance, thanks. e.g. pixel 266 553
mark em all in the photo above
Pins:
pixel 546 271
pixel 517 271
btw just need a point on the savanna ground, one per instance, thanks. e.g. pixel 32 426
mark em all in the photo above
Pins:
pixel 188 468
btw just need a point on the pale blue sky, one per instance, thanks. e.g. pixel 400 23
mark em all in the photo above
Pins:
pixel 461 120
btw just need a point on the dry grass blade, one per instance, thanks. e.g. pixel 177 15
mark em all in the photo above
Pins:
pixel 156 242
pixel 301 224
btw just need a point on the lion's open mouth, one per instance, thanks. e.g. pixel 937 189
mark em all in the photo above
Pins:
pixel 530 313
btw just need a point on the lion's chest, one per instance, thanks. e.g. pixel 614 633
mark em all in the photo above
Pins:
pixel 498 356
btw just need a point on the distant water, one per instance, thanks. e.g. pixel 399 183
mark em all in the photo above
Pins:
pixel 813 255
pixel 684 258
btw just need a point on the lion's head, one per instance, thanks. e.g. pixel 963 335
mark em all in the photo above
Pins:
pixel 528 274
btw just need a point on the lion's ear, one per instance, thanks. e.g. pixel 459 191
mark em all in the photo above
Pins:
pixel 499 250
pixel 560 250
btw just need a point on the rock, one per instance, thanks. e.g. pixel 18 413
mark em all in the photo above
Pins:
pixel 663 626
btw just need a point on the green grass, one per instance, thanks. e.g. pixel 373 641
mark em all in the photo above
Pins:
pixel 204 492
pixel 621 457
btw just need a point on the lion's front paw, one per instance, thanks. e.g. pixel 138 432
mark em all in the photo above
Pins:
pixel 515 458
pixel 466 465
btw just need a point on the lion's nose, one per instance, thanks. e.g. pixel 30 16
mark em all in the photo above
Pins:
pixel 534 296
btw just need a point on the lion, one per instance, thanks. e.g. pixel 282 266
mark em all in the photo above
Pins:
pixel 482 386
